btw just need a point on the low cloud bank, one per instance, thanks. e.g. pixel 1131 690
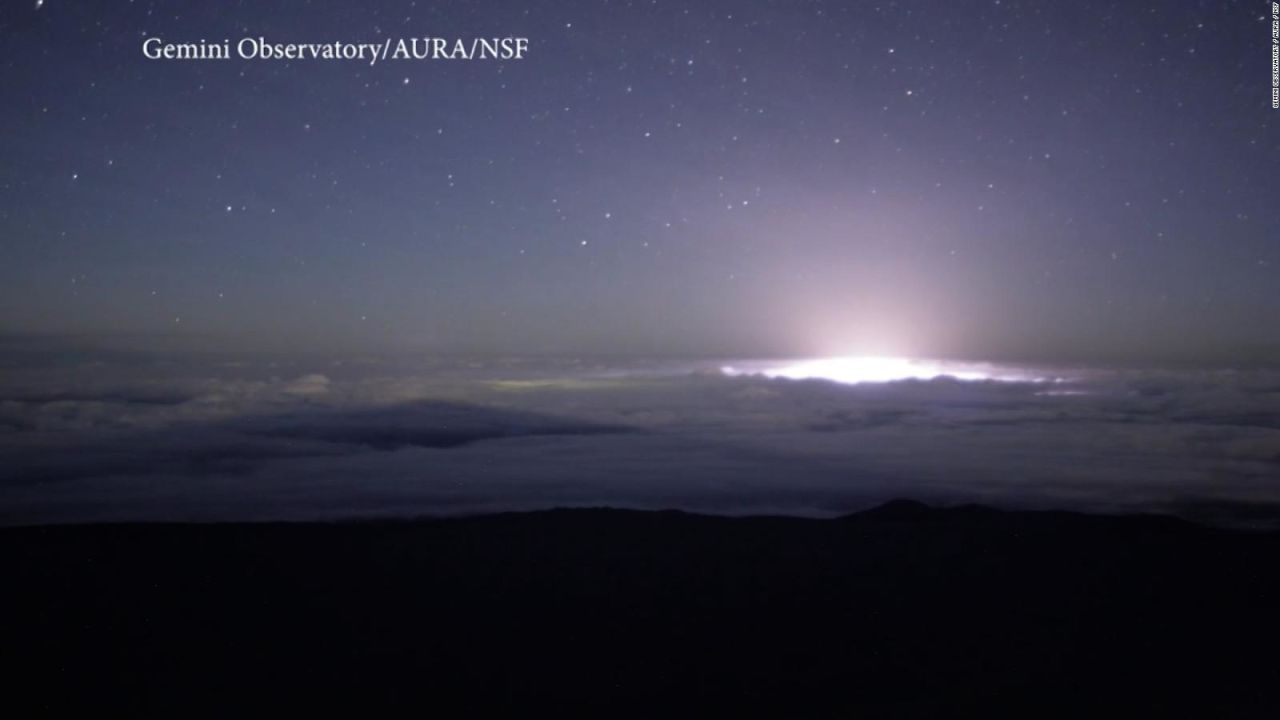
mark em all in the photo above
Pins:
pixel 294 439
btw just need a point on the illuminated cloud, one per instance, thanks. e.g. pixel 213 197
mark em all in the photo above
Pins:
pixel 853 370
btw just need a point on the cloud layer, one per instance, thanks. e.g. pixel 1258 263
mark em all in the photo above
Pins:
pixel 294 439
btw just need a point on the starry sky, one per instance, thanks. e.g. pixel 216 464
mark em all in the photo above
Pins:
pixel 1005 179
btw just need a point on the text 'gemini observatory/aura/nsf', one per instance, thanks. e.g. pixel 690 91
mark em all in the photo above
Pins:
pixel 423 48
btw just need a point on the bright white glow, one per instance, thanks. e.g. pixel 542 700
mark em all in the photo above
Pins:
pixel 858 370
pixel 853 370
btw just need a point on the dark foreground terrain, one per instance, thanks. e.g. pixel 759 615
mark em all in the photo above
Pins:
pixel 901 611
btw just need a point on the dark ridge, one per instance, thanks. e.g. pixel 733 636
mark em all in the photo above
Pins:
pixel 895 510
pixel 900 611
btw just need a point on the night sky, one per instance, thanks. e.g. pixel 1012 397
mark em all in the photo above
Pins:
pixel 997 180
